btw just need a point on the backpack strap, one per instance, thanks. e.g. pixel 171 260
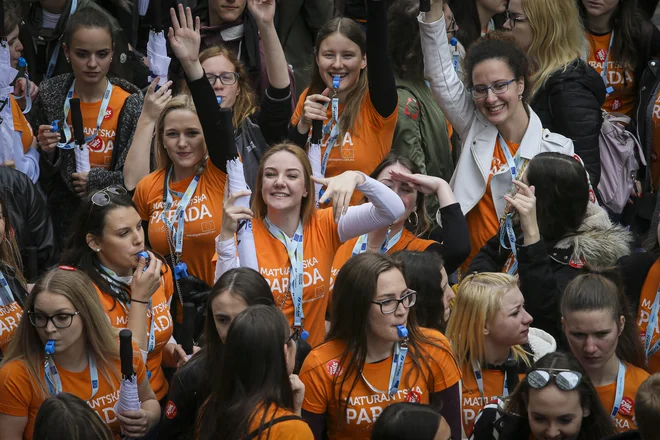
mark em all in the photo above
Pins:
pixel 269 425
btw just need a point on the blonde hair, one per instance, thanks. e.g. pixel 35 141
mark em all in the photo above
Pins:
pixel 308 208
pixel 100 337
pixel 559 37
pixel 478 300
pixel 180 102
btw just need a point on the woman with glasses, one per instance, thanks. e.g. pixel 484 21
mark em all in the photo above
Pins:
pixel 556 399
pixel 108 244
pixel 376 355
pixel 294 242
pixel 235 291
pixel 110 108
pixel 256 396
pixel 567 93
pixel 66 344
pixel 604 338
pixel 501 132
pixel 489 331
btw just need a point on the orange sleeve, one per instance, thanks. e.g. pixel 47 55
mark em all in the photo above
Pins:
pixel 291 430
pixel 317 383
pixel 138 362
pixel 328 227
pixel 445 369
pixel 299 107
pixel 140 197
pixel 16 389
pixel 168 282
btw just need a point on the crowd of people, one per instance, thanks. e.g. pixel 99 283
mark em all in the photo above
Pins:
pixel 329 219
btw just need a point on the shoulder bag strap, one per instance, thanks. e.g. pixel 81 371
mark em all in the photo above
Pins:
pixel 269 425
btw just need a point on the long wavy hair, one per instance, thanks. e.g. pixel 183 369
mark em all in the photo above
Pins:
pixel 100 337
pixel 596 426
pixel 404 41
pixel 559 38
pixel 67 416
pixel 355 288
pixel 10 253
pixel 350 116
pixel 603 291
pixel 253 376
pixel 478 300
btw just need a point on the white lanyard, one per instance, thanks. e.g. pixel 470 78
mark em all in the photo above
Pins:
pixel 507 228
pixel 389 242
pixel 6 296
pixel 480 381
pixel 398 360
pixel 111 275
pixel 56 51
pixel 332 126
pixel 608 89
pixel 68 139
pixel 179 214
pixel 294 249
pixel 620 382
pixel 650 328
pixel 54 382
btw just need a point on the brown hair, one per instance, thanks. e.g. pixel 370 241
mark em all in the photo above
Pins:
pixel 647 407
pixel 308 207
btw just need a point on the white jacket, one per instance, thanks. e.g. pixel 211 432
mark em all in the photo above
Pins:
pixel 478 134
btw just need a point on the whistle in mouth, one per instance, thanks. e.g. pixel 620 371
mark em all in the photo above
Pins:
pixel 402 331
pixel 219 99
pixel 335 82
pixel 50 347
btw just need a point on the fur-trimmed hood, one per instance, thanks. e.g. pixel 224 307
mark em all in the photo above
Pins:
pixel 598 242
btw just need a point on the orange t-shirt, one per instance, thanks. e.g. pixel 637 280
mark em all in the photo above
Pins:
pixel 622 98
pixel 21 125
pixel 203 217
pixel 363 147
pixel 407 242
pixel 625 419
pixel 473 402
pixel 100 149
pixel 644 311
pixel 10 316
pixel 482 220
pixel 364 404
pixel 163 327
pixel 285 430
pixel 320 243
pixel 655 147
pixel 20 395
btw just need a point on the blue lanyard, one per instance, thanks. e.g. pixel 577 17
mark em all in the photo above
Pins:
pixel 179 214
pixel 294 249
pixel 68 138
pixel 54 383
pixel 56 51
pixel 512 161
pixel 6 296
pixel 650 328
pixel 507 228
pixel 608 89
pixel 389 242
pixel 620 382
pixel 332 126
pixel 396 371
pixel 480 381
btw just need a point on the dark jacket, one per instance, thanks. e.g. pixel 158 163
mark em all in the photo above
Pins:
pixel 569 103
pixel 31 222
pixel 546 268
pixel 55 176
pixel 633 269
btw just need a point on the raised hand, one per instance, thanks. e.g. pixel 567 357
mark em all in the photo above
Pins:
pixel 313 110
pixel 263 11
pixel 419 182
pixel 340 189
pixel 155 100
pixel 525 203
pixel 184 35
pixel 232 214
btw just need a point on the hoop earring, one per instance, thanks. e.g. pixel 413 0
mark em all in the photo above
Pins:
pixel 414 225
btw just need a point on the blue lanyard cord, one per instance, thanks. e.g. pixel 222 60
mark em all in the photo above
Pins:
pixel 179 214
pixel 68 138
pixel 54 383
pixel 506 230
pixel 389 242
pixel 332 126
pixel 6 296
pixel 651 327
pixel 608 89
pixel 396 371
pixel 294 249
pixel 476 368
pixel 56 51
pixel 620 382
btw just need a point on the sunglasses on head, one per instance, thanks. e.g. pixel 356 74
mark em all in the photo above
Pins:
pixel 566 380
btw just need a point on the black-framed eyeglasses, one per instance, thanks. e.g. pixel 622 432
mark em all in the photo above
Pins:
pixel 498 88
pixel 566 380
pixel 389 306
pixel 226 78
pixel 512 19
pixel 295 334
pixel 59 320
pixel 452 28
pixel 102 197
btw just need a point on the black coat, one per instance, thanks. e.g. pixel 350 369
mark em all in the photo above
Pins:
pixel 569 103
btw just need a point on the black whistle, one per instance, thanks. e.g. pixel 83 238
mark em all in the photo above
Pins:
pixel 188 329
pixel 77 121
pixel 126 353
pixel 317 132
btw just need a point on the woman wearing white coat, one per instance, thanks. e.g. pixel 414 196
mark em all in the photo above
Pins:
pixel 500 132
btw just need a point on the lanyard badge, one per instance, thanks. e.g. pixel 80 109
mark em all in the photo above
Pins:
pixel 651 328
pixel 6 296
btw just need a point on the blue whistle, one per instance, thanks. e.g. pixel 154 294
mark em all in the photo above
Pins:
pixel 609 90
pixel 219 99
pixel 453 42
pixel 50 347
pixel 22 63
pixel 180 271
pixel 402 331
pixel 56 126
pixel 321 192
pixel 143 254
pixel 304 335
pixel 335 81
